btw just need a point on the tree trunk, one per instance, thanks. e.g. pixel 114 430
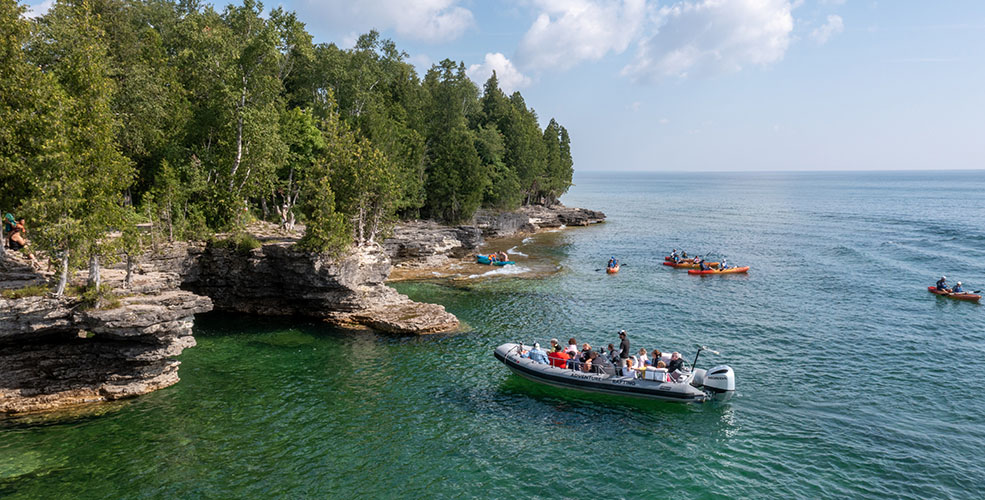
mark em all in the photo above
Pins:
pixel 63 279
pixel 128 281
pixel 94 279
pixel 3 243
pixel 239 137
pixel 263 207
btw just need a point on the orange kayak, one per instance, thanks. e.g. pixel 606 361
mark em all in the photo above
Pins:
pixel 612 270
pixel 959 296
pixel 689 265
pixel 731 270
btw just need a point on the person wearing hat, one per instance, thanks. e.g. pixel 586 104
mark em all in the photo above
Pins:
pixel 623 345
pixel 612 262
pixel 957 288
pixel 558 358
pixel 537 355
pixel 942 284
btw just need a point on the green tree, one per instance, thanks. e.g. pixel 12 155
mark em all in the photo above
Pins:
pixel 80 200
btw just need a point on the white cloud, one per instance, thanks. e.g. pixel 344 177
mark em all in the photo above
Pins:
pixel 426 20
pixel 709 37
pixel 39 9
pixel 566 33
pixel 832 2
pixel 509 77
pixel 822 34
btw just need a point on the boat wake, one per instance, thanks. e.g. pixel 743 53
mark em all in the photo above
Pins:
pixel 514 251
pixel 502 271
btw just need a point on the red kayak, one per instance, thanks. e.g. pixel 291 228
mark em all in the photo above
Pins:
pixel 959 296
pixel 731 270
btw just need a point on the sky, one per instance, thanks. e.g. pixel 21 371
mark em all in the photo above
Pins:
pixel 711 85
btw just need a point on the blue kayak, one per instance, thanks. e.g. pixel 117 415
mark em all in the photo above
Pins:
pixel 484 259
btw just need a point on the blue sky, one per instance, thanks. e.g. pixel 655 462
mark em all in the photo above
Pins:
pixel 711 85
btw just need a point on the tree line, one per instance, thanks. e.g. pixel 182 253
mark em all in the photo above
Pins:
pixel 196 120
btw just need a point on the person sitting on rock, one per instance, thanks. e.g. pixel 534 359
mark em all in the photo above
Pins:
pixel 16 239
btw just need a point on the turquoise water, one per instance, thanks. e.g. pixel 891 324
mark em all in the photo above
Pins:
pixel 853 381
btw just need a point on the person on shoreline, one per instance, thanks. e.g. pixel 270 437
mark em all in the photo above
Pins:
pixel 942 284
pixel 15 231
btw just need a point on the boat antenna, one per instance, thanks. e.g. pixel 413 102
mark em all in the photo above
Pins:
pixel 700 348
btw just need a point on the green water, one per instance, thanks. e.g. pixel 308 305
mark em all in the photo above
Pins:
pixel 853 381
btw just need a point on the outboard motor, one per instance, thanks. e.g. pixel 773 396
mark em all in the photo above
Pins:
pixel 720 379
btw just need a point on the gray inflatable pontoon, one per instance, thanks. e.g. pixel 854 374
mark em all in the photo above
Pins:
pixel 697 385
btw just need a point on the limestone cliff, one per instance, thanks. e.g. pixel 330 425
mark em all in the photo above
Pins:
pixel 55 354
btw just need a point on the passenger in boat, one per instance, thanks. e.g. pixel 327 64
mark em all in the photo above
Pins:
pixel 676 363
pixel 942 284
pixel 612 353
pixel 623 345
pixel 683 255
pixel 537 355
pixel 586 352
pixel 661 364
pixel 559 358
pixel 628 370
pixel 613 262
pixel 957 288
pixel 704 266
pixel 601 365
pixel 586 366
pixel 673 255
pixel 655 356
pixel 723 265
pixel 640 359
pixel 572 348
pixel 554 345
pixel 502 257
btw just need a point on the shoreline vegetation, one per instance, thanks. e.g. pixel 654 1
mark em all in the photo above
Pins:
pixel 195 121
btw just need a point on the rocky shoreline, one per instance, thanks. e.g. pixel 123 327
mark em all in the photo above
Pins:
pixel 55 354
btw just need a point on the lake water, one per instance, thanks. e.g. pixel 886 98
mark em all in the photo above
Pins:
pixel 853 381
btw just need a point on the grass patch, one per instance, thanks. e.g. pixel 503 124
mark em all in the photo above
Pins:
pixel 93 298
pixel 241 242
pixel 27 291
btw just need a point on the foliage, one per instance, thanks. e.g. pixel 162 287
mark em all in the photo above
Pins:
pixel 240 242
pixel 195 120
pixel 27 291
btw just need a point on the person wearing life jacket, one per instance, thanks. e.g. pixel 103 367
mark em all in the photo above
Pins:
pixel 673 255
pixel 704 266
pixel 612 262
pixel 724 265
pixel 942 284
pixel 957 288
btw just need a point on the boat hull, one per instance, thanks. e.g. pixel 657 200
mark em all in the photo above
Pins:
pixel 612 270
pixel 601 384
pixel 734 270
pixel 971 297
pixel 688 265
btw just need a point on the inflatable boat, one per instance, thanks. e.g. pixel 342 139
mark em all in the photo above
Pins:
pixel 693 386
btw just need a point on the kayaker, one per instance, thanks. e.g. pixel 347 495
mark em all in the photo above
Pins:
pixel 502 257
pixel 957 288
pixel 704 266
pixel 724 264
pixel 683 254
pixel 612 262
pixel 673 255
pixel 942 284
